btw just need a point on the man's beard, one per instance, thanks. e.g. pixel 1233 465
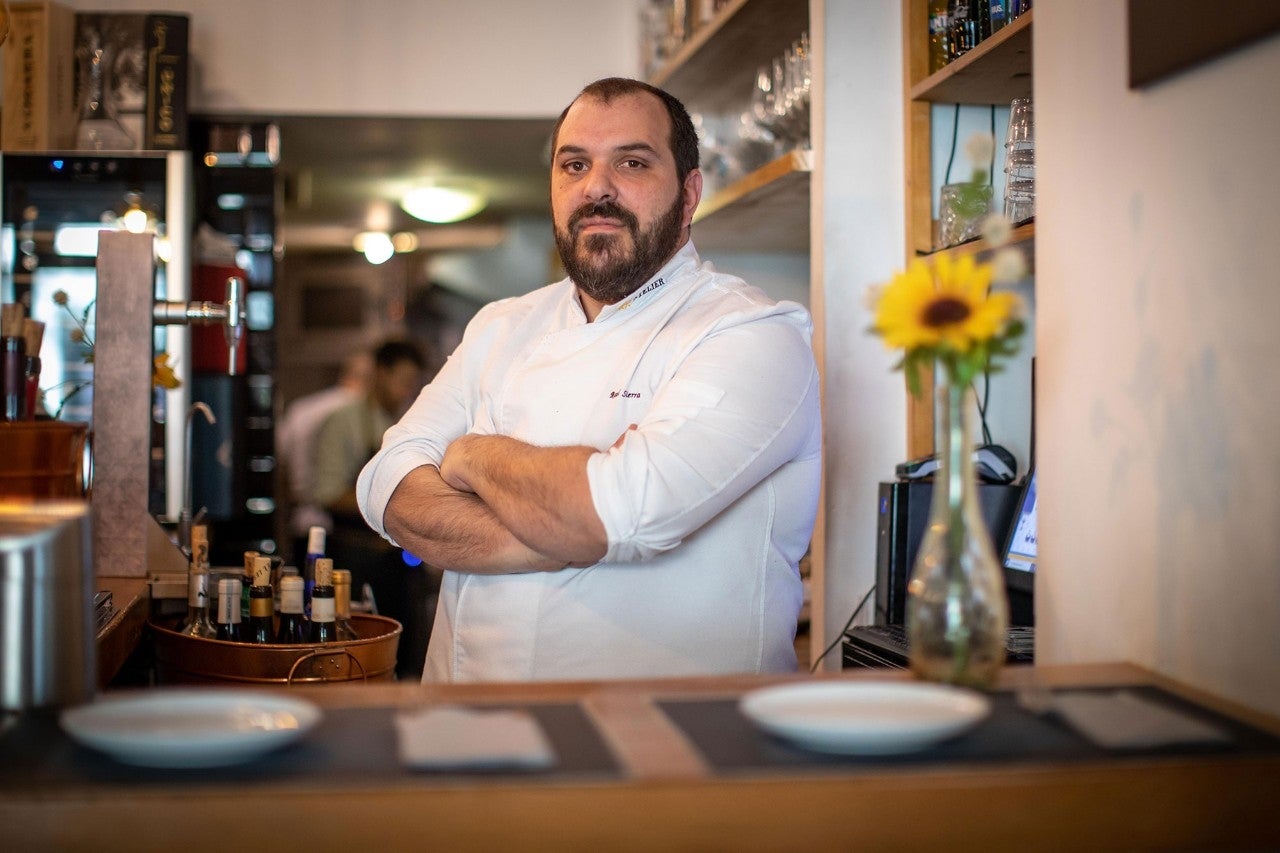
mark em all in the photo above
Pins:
pixel 601 268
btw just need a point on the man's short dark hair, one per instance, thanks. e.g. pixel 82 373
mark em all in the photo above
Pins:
pixel 391 353
pixel 684 138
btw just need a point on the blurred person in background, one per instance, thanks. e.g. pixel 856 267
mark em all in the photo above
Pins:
pixel 296 440
pixel 348 438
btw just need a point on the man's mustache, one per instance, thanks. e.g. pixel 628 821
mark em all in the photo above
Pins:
pixel 603 210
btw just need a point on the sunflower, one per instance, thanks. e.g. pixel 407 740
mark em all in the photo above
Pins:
pixel 947 312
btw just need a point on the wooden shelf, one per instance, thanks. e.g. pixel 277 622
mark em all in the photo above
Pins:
pixel 995 72
pixel 715 69
pixel 766 211
pixel 1023 237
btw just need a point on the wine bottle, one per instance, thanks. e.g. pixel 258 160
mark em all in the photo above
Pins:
pixel 322 603
pixel 998 14
pixel 229 610
pixel 939 35
pixel 198 624
pixel 315 550
pixel 246 583
pixel 342 605
pixel 260 602
pixel 293 627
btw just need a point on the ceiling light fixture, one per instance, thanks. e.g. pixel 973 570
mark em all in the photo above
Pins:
pixel 376 245
pixel 442 204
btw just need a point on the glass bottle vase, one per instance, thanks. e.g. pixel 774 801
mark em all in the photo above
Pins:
pixel 957 607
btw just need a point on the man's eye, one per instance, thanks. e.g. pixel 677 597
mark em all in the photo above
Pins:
pixel 634 164
pixel 575 166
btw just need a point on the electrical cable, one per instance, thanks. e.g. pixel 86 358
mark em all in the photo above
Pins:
pixel 991 170
pixel 983 400
pixel 836 641
pixel 955 132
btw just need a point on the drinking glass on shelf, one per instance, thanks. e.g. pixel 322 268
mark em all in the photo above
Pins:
pixel 1020 162
pixel 961 209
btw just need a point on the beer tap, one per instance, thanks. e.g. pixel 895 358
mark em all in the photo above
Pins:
pixel 186 517
pixel 230 314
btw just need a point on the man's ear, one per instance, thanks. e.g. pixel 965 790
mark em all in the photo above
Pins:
pixel 692 191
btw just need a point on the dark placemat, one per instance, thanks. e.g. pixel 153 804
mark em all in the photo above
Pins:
pixel 731 743
pixel 350 746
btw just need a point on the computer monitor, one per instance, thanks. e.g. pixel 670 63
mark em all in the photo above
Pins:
pixel 1019 553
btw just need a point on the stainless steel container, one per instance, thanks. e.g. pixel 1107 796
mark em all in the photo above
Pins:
pixel 48 650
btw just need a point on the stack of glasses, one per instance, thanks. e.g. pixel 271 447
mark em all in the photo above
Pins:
pixel 1020 163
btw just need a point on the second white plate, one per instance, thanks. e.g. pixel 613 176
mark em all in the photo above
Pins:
pixel 190 727
pixel 865 717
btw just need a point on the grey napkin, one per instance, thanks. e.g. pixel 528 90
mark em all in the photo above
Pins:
pixel 450 737
pixel 1122 719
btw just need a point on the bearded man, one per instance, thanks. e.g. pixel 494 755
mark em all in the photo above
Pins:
pixel 618 473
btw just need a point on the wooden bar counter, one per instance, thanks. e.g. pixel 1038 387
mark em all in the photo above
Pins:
pixel 665 793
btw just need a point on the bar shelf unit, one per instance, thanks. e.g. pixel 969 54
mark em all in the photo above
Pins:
pixel 714 72
pixel 997 71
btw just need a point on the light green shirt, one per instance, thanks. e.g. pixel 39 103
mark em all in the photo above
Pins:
pixel 347 439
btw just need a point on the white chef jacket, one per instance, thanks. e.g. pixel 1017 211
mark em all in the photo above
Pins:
pixel 708 505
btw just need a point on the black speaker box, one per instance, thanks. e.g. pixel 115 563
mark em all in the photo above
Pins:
pixel 901 520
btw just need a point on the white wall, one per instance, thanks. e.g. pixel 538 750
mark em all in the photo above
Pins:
pixel 398 57
pixel 1158 303
pixel 863 241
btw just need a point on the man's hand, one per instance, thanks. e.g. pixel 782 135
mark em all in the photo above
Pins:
pixel 451 529
pixel 540 494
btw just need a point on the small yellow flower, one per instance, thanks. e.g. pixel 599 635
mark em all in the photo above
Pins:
pixel 946 305
pixel 947 312
pixel 162 375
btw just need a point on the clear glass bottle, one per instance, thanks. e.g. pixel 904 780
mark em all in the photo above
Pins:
pixel 957 606
pixel 97 128
pixel 293 625
pixel 323 605
pixel 261 603
pixel 197 623
pixel 229 610
pixel 342 605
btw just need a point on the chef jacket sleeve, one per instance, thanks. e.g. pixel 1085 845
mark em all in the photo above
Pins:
pixel 743 403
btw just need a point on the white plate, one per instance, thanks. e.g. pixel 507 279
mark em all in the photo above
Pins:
pixel 865 717
pixel 190 728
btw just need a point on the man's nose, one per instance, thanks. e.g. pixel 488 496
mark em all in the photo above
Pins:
pixel 600 186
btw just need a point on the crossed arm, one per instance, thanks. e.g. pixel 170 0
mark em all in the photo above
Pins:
pixel 497 505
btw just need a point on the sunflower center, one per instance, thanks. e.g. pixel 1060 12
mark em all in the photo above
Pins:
pixel 945 312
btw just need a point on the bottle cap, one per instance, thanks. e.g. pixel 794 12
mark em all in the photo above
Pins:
pixel 315 540
pixel 341 577
pixel 291 594
pixel 248 562
pixel 324 572
pixel 229 586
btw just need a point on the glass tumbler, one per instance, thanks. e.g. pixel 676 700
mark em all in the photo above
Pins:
pixel 1020 162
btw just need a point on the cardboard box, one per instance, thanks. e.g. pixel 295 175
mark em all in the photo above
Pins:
pixel 39 92
pixel 145 77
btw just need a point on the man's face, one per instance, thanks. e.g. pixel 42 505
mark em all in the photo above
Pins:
pixel 618 209
pixel 394 387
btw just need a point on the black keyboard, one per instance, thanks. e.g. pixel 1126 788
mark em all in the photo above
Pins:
pixel 886 645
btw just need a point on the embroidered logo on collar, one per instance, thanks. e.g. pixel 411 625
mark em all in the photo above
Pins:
pixel 629 395
pixel 643 292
